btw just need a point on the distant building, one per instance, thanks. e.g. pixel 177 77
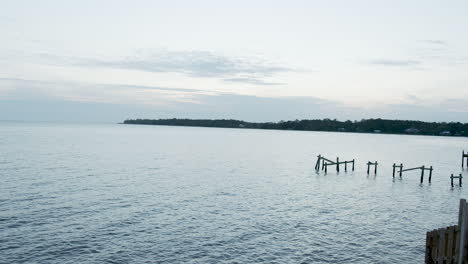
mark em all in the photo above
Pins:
pixel 445 133
pixel 412 131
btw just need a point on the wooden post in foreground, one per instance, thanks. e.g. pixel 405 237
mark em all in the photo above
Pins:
pixel 462 225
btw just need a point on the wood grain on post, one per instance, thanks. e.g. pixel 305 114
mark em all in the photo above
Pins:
pixel 462 224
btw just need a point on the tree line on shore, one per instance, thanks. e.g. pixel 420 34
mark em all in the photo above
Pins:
pixel 364 126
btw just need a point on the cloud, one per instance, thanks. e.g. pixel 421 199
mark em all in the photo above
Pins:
pixel 200 64
pixel 395 63
pixel 251 81
pixel 23 89
pixel 192 63
pixel 196 63
pixel 435 41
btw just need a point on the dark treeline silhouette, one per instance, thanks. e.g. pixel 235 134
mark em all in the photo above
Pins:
pixel 364 126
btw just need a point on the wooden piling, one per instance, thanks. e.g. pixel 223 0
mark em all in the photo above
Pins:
pixel 422 174
pixel 462 225
pixel 464 156
pixel 401 169
pixel 460 180
pixel 375 168
pixel 430 174
pixel 337 164
pixel 317 164
pixel 345 166
pixel 368 167
pixel 353 164
pixel 394 170
pixel 451 180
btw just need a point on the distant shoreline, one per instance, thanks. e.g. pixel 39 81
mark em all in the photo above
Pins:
pixel 374 126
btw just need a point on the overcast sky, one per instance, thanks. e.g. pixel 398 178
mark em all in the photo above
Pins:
pixel 270 60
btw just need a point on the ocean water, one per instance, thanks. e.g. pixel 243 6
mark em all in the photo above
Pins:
pixel 155 194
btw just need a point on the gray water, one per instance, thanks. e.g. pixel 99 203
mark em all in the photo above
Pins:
pixel 155 194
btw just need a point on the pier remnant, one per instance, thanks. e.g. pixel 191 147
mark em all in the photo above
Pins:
pixel 422 168
pixel 327 162
pixel 373 164
pixel 459 177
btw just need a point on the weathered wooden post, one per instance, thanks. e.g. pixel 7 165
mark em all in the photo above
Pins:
pixel 345 166
pixel 337 164
pixel 368 167
pixel 326 166
pixel 464 155
pixel 317 164
pixel 460 180
pixel 451 180
pixel 323 164
pixel 401 169
pixel 430 174
pixel 463 159
pixel 394 170
pixel 353 164
pixel 422 174
pixel 375 169
pixel 462 225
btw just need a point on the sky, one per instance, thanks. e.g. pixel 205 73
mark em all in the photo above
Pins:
pixel 109 60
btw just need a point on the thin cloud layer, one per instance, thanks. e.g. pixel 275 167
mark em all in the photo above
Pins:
pixel 250 80
pixel 201 64
pixel 435 41
pixel 395 63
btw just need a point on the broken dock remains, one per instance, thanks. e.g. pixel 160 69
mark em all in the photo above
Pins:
pixel 422 168
pixel 369 163
pixel 321 160
pixel 459 177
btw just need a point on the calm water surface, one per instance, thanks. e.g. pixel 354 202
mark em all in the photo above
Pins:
pixel 155 194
